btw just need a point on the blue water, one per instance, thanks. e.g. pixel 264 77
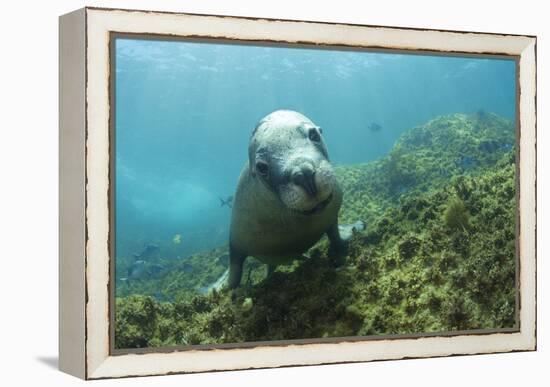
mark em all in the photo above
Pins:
pixel 185 111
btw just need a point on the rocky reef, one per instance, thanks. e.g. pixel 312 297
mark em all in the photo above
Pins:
pixel 438 254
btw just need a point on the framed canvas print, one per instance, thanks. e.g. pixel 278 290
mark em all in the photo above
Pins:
pixel 243 193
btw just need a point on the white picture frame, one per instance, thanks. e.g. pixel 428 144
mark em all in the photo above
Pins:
pixel 85 178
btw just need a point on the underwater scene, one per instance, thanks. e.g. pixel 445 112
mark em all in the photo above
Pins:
pixel 272 192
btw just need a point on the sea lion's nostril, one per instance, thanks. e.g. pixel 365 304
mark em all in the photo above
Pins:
pixel 305 178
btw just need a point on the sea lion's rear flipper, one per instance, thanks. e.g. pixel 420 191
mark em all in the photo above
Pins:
pixel 347 230
pixel 339 235
pixel 217 286
pixel 236 260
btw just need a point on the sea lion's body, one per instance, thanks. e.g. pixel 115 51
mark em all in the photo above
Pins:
pixel 263 227
pixel 287 196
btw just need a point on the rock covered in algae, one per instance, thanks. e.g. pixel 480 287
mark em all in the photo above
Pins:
pixel 438 255
pixel 247 304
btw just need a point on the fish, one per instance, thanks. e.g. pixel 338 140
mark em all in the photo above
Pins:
pixel 466 162
pixel 148 252
pixel 176 239
pixel 374 127
pixel 226 202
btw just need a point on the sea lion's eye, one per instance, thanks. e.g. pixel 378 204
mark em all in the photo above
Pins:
pixel 262 168
pixel 314 135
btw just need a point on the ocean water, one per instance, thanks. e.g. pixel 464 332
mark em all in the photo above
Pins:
pixel 185 111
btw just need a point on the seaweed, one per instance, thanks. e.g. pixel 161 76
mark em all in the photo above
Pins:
pixel 456 216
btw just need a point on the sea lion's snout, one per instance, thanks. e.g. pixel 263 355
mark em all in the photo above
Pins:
pixel 309 186
pixel 304 176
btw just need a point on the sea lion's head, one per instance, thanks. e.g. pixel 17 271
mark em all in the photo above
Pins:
pixel 288 155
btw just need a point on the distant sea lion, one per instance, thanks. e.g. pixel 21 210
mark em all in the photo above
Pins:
pixel 287 195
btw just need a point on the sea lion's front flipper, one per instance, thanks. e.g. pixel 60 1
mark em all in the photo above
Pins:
pixel 236 260
pixel 338 247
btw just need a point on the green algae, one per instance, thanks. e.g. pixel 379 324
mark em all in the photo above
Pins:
pixel 456 216
pixel 438 255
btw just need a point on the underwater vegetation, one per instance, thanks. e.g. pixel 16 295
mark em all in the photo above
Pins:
pixel 438 254
pixel 422 159
pixel 456 215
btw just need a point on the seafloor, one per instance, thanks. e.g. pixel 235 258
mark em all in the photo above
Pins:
pixel 438 255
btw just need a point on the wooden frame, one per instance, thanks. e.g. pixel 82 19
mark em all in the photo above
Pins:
pixel 85 276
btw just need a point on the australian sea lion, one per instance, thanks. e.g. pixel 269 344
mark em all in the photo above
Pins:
pixel 287 196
